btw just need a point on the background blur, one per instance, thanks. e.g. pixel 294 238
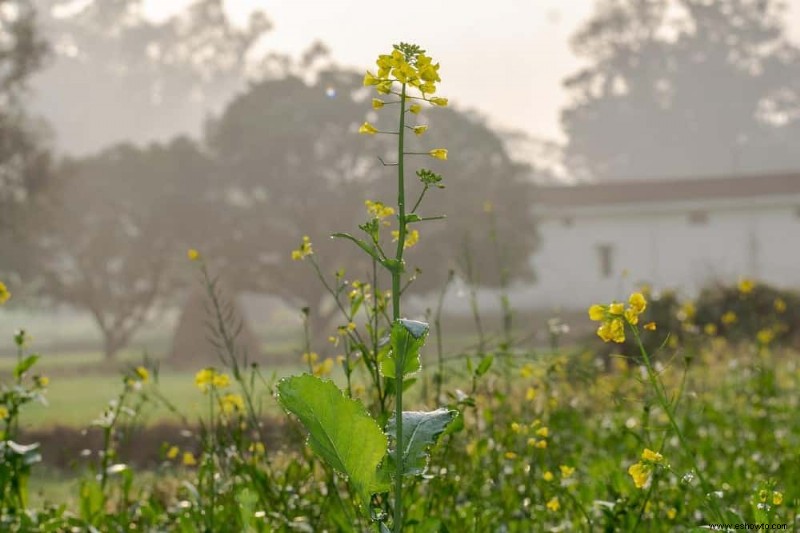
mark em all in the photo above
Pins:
pixel 594 146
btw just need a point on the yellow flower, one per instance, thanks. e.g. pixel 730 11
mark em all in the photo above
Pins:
pixel 672 513
pixel 729 318
pixel 616 308
pixel 384 87
pixel 419 130
pixel 650 326
pixel 640 474
pixel 310 357
pixel 439 153
pixel 5 294
pixel 780 305
pixel 631 316
pixel 3 412
pixel 377 103
pixel 553 504
pixel 172 453
pixel 651 456
pixel 142 373
pixel 688 311
pixel 510 455
pixel 378 209
pixel 415 108
pixel 638 302
pixel 542 444
pixel 188 459
pixel 710 329
pixel 746 285
pixel 370 79
pixel 597 312
pixel 441 102
pixel 765 336
pixel 209 378
pixel 324 368
pixel 412 237
pixel 231 402
pixel 193 254
pixel 42 381
pixel 566 471
pixel 613 330
pixel 515 427
pixel 762 495
pixel 548 476
pixel 530 394
pixel 543 432
pixel 777 498
pixel 368 129
pixel 304 250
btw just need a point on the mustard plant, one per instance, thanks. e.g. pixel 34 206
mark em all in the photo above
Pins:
pixel 340 429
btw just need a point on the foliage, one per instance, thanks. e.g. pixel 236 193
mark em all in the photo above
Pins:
pixel 651 66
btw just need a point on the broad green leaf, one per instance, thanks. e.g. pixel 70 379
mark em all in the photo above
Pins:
pixel 340 430
pixel 420 432
pixel 407 337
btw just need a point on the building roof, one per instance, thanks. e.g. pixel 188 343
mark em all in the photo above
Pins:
pixel 668 190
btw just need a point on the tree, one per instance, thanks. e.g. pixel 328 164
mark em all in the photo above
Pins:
pixel 171 73
pixel 117 232
pixel 23 160
pixel 683 88
pixel 294 165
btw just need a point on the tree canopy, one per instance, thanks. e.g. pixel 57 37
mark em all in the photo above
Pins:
pixel 683 88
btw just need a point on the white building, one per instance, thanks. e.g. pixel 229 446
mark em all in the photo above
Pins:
pixel 600 240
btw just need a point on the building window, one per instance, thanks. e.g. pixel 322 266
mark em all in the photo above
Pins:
pixel 605 256
pixel 698 218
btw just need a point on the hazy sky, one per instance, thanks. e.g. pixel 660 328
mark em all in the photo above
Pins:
pixel 505 58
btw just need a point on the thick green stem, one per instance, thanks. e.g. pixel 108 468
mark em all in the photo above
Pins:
pixel 396 272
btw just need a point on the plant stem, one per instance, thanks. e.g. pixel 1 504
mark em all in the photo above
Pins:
pixel 396 271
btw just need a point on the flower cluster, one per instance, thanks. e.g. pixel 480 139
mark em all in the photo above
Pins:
pixel 303 251
pixel 208 379
pixel 641 471
pixel 5 294
pixel 408 66
pixel 614 316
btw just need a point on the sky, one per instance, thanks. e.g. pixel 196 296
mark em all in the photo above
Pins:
pixel 503 58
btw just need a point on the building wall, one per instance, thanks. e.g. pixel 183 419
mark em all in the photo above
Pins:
pixel 677 245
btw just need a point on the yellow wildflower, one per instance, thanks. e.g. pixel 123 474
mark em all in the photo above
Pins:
pixel 42 381
pixel 553 504
pixel 780 305
pixel 597 312
pixel 530 394
pixel 412 237
pixel 377 103
pixel 172 453
pixel 542 444
pixel 746 285
pixel 5 294
pixel 650 326
pixel 419 130
pixel 370 79
pixel 765 336
pixel 324 368
pixel 310 357
pixel 631 316
pixel 638 302
pixel 613 330
pixel 221 381
pixel 762 495
pixel 368 129
pixel 415 108
pixel 231 402
pixel 510 455
pixel 548 476
pixel 258 448
pixel 651 456
pixel 566 471
pixel 193 254
pixel 729 318
pixel 438 101
pixel 616 308
pixel 378 209
pixel 304 250
pixel 543 432
pixel 688 311
pixel 777 498
pixel 515 427
pixel 209 378
pixel 710 329
pixel 3 412
pixel 672 513
pixel 384 87
pixel 142 373
pixel 188 459
pixel 439 153
pixel 640 474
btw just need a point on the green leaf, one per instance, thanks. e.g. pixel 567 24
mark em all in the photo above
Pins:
pixel 420 432
pixel 484 365
pixel 369 248
pixel 340 430
pixel 407 337
pixel 24 365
